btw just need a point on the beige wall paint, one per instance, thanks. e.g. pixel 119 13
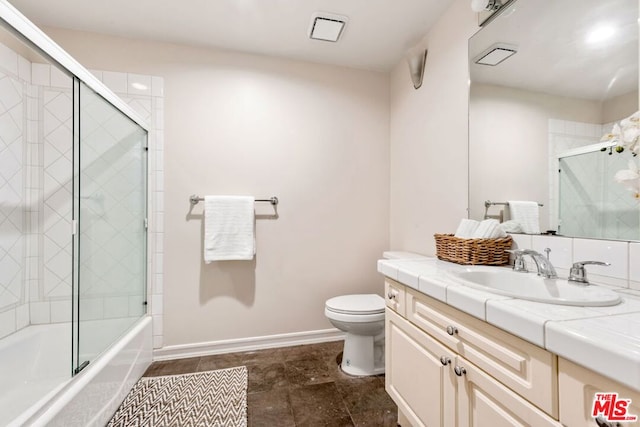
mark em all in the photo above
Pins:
pixel 429 137
pixel 316 136
pixel 619 107
pixel 508 149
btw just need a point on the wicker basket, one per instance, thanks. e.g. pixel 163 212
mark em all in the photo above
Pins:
pixel 472 251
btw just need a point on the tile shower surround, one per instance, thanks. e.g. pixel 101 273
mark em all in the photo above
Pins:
pixel 35 104
pixel 593 172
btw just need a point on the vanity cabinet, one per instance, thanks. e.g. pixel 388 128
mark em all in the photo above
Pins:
pixel 445 368
pixel 578 387
pixel 395 299
pixel 417 380
pixel 525 368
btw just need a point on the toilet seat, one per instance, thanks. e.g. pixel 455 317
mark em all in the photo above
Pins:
pixel 360 304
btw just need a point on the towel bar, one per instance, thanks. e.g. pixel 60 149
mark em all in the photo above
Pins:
pixel 488 203
pixel 195 199
pixel 500 215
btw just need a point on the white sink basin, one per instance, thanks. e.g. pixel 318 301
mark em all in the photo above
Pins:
pixel 532 287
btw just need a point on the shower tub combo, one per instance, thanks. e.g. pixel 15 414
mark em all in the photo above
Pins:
pixel 74 331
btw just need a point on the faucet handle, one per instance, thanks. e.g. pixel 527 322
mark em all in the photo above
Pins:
pixel 518 263
pixel 579 274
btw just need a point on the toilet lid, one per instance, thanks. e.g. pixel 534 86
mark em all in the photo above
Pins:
pixel 356 304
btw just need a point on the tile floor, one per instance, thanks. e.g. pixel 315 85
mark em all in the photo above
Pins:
pixel 299 386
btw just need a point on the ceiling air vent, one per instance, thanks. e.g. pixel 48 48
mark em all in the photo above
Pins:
pixel 327 27
pixel 495 54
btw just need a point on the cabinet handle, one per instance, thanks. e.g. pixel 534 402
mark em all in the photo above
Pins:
pixel 459 370
pixel 603 423
pixel 392 295
pixel 452 330
pixel 445 360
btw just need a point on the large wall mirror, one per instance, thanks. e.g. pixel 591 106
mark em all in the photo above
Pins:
pixel 560 75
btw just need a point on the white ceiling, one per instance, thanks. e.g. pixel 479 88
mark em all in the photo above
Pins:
pixel 554 55
pixel 378 33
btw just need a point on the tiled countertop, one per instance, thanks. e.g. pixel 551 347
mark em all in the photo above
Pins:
pixel 603 339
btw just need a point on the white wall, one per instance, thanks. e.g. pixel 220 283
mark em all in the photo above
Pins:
pixel 316 136
pixel 509 144
pixel 429 137
pixel 619 107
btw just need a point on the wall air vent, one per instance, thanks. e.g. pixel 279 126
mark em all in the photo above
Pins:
pixel 327 27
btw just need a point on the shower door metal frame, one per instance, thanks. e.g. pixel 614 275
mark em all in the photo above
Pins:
pixel 39 41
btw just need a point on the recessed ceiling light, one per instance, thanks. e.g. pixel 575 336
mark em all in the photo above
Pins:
pixel 327 27
pixel 600 34
pixel 495 54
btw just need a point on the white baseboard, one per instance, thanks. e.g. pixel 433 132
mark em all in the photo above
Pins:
pixel 246 344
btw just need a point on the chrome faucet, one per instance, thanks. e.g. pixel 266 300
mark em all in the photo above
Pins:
pixel 543 265
pixel 518 260
pixel 578 273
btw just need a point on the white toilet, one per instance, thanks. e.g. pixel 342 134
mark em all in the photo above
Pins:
pixel 361 316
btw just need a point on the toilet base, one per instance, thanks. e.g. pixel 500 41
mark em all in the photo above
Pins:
pixel 363 355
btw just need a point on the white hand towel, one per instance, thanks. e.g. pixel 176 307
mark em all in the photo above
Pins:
pixel 466 228
pixel 229 228
pixel 526 214
pixel 489 229
pixel 511 227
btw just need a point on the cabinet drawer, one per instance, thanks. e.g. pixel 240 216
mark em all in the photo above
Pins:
pixel 578 387
pixel 523 367
pixel 394 295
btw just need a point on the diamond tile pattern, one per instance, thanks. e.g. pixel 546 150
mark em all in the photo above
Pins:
pixel 112 205
pixel 57 134
pixel 36 198
pixel 592 204
pixel 12 193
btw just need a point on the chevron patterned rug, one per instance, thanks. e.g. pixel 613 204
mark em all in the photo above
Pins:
pixel 212 398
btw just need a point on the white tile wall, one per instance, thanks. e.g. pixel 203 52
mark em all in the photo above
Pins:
pixel 139 84
pixel 150 105
pixel 584 178
pixel 117 82
pixel 40 313
pixel 40 259
pixel 115 307
pixel 93 308
pixel 60 79
pixel 7 322
pixel 623 272
pixel 565 135
pixel 14 178
pixel 40 74
pixel 634 266
pixel 615 253
pixel 561 254
pixel 9 59
pixel 22 316
pixel 60 311
pixel 522 241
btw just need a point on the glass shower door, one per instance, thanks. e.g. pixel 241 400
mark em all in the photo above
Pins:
pixel 591 202
pixel 111 211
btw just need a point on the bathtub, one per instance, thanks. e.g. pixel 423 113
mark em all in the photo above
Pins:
pixel 37 389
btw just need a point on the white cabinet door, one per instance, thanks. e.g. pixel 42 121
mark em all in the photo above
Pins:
pixel 418 374
pixel 578 388
pixel 484 402
pixel 523 367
